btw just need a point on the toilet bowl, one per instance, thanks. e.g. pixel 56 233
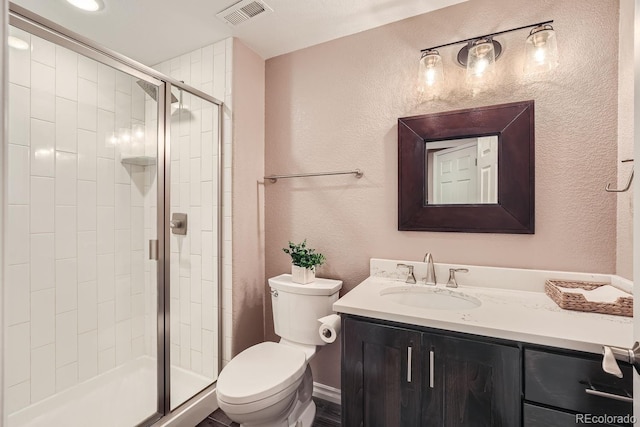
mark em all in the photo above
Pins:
pixel 271 384
pixel 260 384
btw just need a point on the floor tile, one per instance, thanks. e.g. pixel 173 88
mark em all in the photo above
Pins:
pixel 327 415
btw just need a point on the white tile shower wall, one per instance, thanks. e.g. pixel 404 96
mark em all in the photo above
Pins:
pixel 75 271
pixel 194 173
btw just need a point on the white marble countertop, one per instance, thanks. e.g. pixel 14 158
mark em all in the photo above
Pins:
pixel 520 315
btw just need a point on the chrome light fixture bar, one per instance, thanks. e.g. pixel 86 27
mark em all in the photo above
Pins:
pixel 480 54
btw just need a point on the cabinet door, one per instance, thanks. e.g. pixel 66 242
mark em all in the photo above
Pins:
pixel 381 375
pixel 472 384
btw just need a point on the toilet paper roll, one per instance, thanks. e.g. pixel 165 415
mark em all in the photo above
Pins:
pixel 329 328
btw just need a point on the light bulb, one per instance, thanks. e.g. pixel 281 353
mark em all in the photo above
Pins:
pixel 480 67
pixel 430 76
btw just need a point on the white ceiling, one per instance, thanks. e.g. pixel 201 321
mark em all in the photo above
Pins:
pixel 151 31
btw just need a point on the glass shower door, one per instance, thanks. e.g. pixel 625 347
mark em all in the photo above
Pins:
pixel 194 274
pixel 82 298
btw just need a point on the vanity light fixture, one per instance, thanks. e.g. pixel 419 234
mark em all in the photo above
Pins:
pixel 541 50
pixel 480 54
pixel 88 5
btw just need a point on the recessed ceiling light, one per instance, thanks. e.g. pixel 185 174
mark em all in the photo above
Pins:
pixel 88 5
pixel 17 43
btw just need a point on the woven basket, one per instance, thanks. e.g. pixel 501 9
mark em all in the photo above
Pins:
pixel 570 301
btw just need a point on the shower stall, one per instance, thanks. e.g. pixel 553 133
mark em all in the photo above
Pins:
pixel 112 277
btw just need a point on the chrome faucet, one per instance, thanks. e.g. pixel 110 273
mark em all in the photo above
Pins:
pixel 451 283
pixel 411 278
pixel 431 271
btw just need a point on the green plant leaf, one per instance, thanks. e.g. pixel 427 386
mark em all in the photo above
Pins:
pixel 304 257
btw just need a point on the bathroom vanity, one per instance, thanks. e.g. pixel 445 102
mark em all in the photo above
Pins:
pixel 516 359
pixel 442 377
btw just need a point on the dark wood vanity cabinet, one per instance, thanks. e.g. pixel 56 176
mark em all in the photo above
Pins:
pixel 394 376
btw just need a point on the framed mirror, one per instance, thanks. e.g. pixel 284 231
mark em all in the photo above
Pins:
pixel 468 170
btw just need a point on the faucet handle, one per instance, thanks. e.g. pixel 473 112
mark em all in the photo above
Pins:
pixel 451 283
pixel 411 278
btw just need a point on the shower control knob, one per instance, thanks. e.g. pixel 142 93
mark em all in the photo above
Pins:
pixel 178 223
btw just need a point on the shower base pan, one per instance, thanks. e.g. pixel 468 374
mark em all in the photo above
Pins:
pixel 124 396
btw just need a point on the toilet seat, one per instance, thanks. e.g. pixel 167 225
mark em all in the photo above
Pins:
pixel 259 372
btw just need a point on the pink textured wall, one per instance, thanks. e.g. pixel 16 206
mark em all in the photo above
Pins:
pixel 624 239
pixel 334 106
pixel 248 92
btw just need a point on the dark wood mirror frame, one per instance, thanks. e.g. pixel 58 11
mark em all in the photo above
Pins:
pixel 514 213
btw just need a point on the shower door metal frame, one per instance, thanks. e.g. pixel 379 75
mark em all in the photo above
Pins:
pixel 167 232
pixel 39 26
pixel 4 86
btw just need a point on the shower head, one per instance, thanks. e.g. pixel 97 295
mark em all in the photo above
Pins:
pixel 151 90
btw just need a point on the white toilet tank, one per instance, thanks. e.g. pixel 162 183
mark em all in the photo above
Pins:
pixel 297 308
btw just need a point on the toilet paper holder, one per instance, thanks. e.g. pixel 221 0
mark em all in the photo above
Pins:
pixel 611 355
pixel 329 328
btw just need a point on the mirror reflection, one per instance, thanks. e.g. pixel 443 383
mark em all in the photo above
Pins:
pixel 462 171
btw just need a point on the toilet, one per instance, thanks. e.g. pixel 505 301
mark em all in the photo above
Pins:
pixel 270 384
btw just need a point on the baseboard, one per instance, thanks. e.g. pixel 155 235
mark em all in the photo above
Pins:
pixel 325 392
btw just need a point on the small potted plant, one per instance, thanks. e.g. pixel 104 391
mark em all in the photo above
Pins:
pixel 304 261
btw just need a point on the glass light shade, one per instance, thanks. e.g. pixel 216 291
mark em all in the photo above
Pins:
pixel 541 50
pixel 430 73
pixel 481 59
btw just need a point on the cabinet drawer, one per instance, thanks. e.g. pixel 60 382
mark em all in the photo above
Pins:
pixel 537 416
pixel 561 380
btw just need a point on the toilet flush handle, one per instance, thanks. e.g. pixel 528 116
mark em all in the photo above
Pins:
pixel 274 293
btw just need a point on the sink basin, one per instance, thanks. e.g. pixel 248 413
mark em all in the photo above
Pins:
pixel 432 298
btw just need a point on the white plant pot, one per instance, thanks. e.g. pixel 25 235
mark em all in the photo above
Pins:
pixel 302 275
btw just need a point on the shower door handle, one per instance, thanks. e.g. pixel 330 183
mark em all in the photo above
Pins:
pixel 153 250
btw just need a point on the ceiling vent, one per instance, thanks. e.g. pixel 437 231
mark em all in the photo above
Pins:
pixel 243 11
